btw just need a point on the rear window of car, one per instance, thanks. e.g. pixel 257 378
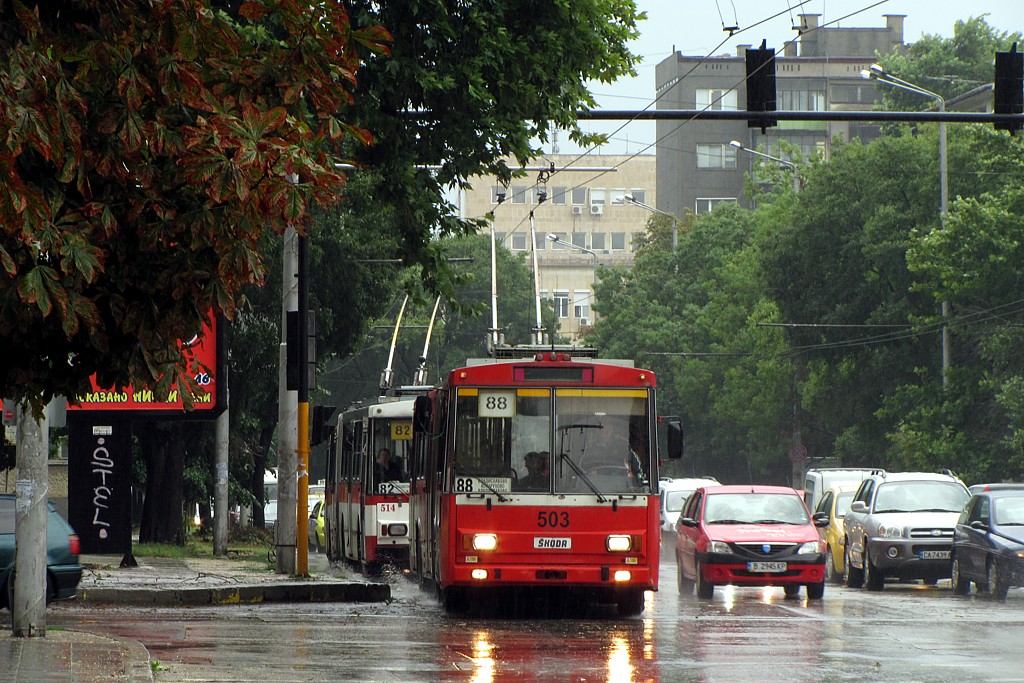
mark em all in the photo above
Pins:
pixel 843 501
pixel 674 500
pixel 6 515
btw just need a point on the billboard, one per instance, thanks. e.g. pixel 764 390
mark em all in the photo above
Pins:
pixel 207 363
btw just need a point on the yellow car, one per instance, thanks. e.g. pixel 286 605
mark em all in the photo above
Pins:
pixel 317 532
pixel 836 501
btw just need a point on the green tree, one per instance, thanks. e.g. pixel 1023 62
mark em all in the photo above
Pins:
pixel 946 66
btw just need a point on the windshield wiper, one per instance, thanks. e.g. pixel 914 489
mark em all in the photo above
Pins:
pixel 579 473
pixel 582 425
pixel 775 521
pixel 464 473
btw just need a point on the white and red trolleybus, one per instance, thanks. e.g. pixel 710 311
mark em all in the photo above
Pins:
pixel 367 518
pixel 486 514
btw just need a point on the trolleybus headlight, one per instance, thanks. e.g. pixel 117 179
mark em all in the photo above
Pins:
pixel 394 529
pixel 622 575
pixel 618 544
pixel 479 574
pixel 485 541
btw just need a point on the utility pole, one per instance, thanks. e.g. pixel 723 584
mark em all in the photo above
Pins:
pixel 28 603
pixel 220 475
pixel 287 429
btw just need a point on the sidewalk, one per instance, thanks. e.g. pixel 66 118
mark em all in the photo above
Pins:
pixel 81 657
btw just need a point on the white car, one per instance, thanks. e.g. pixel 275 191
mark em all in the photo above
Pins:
pixel 674 493
pixel 270 514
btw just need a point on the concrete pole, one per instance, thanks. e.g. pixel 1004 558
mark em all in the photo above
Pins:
pixel 947 340
pixel 288 415
pixel 220 478
pixel 28 607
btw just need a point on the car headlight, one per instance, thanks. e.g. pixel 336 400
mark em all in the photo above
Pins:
pixel 810 548
pixel 485 542
pixel 718 547
pixel 618 544
pixel 887 531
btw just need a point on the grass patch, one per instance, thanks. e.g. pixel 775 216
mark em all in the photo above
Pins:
pixel 243 544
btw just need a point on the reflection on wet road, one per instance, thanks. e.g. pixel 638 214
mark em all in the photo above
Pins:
pixel 906 632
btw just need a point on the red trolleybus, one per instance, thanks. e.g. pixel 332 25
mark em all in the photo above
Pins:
pixel 367 518
pixel 486 512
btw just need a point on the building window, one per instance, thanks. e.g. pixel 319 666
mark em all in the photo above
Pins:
pixel 801 100
pixel 639 195
pixel 520 194
pixel 706 204
pixel 559 195
pixel 498 191
pixel 579 239
pixel 619 195
pixel 561 304
pixel 518 241
pixel 560 244
pixel 579 196
pixel 854 93
pixel 598 195
pixel 716 99
pixel 499 238
pixel 618 241
pixel 598 241
pixel 581 303
pixel 540 240
pixel 716 156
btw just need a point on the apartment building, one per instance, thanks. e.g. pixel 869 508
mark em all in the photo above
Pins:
pixel 592 206
pixel 699 168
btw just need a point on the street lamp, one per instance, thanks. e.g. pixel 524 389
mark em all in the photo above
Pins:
pixel 593 287
pixel 630 199
pixel 788 164
pixel 876 73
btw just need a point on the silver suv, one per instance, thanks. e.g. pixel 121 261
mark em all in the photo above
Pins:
pixel 901 524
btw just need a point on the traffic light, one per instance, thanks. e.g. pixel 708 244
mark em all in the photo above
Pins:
pixel 1009 86
pixel 761 84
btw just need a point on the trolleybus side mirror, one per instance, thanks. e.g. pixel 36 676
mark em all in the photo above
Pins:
pixel 674 434
pixel 421 414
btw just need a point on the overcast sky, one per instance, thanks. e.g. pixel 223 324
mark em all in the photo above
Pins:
pixel 694 27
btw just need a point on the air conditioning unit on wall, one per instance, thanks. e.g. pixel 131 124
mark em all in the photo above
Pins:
pixel 584 322
pixel 596 209
pixel 577 211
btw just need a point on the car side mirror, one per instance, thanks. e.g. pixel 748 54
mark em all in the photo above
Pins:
pixel 859 506
pixel 820 519
pixel 687 521
pixel 979 525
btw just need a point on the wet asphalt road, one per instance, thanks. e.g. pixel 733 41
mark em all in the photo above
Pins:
pixel 906 633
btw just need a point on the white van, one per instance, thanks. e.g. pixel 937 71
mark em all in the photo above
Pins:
pixel 821 479
pixel 674 493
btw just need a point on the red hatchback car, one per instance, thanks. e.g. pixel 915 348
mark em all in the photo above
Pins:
pixel 749 536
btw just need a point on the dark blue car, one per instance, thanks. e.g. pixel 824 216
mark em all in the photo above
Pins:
pixel 63 571
pixel 988 543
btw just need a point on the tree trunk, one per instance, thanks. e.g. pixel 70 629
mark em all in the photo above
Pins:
pixel 258 470
pixel 28 604
pixel 163 448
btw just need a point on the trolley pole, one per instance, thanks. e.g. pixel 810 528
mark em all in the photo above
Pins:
pixel 302 444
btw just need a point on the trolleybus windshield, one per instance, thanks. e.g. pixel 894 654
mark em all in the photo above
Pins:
pixel 600 440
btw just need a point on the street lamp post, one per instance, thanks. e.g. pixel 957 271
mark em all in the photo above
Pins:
pixel 593 287
pixel 788 164
pixel 630 199
pixel 877 73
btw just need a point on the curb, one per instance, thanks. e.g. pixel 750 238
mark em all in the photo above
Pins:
pixel 237 595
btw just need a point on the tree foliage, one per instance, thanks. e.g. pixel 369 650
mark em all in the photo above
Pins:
pixel 146 147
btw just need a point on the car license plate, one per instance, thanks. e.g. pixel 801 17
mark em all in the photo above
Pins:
pixel 934 554
pixel 548 543
pixel 766 567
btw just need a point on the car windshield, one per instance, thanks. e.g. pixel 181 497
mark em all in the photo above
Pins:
pixel 755 508
pixel 843 501
pixel 1009 511
pixel 674 500
pixel 920 496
